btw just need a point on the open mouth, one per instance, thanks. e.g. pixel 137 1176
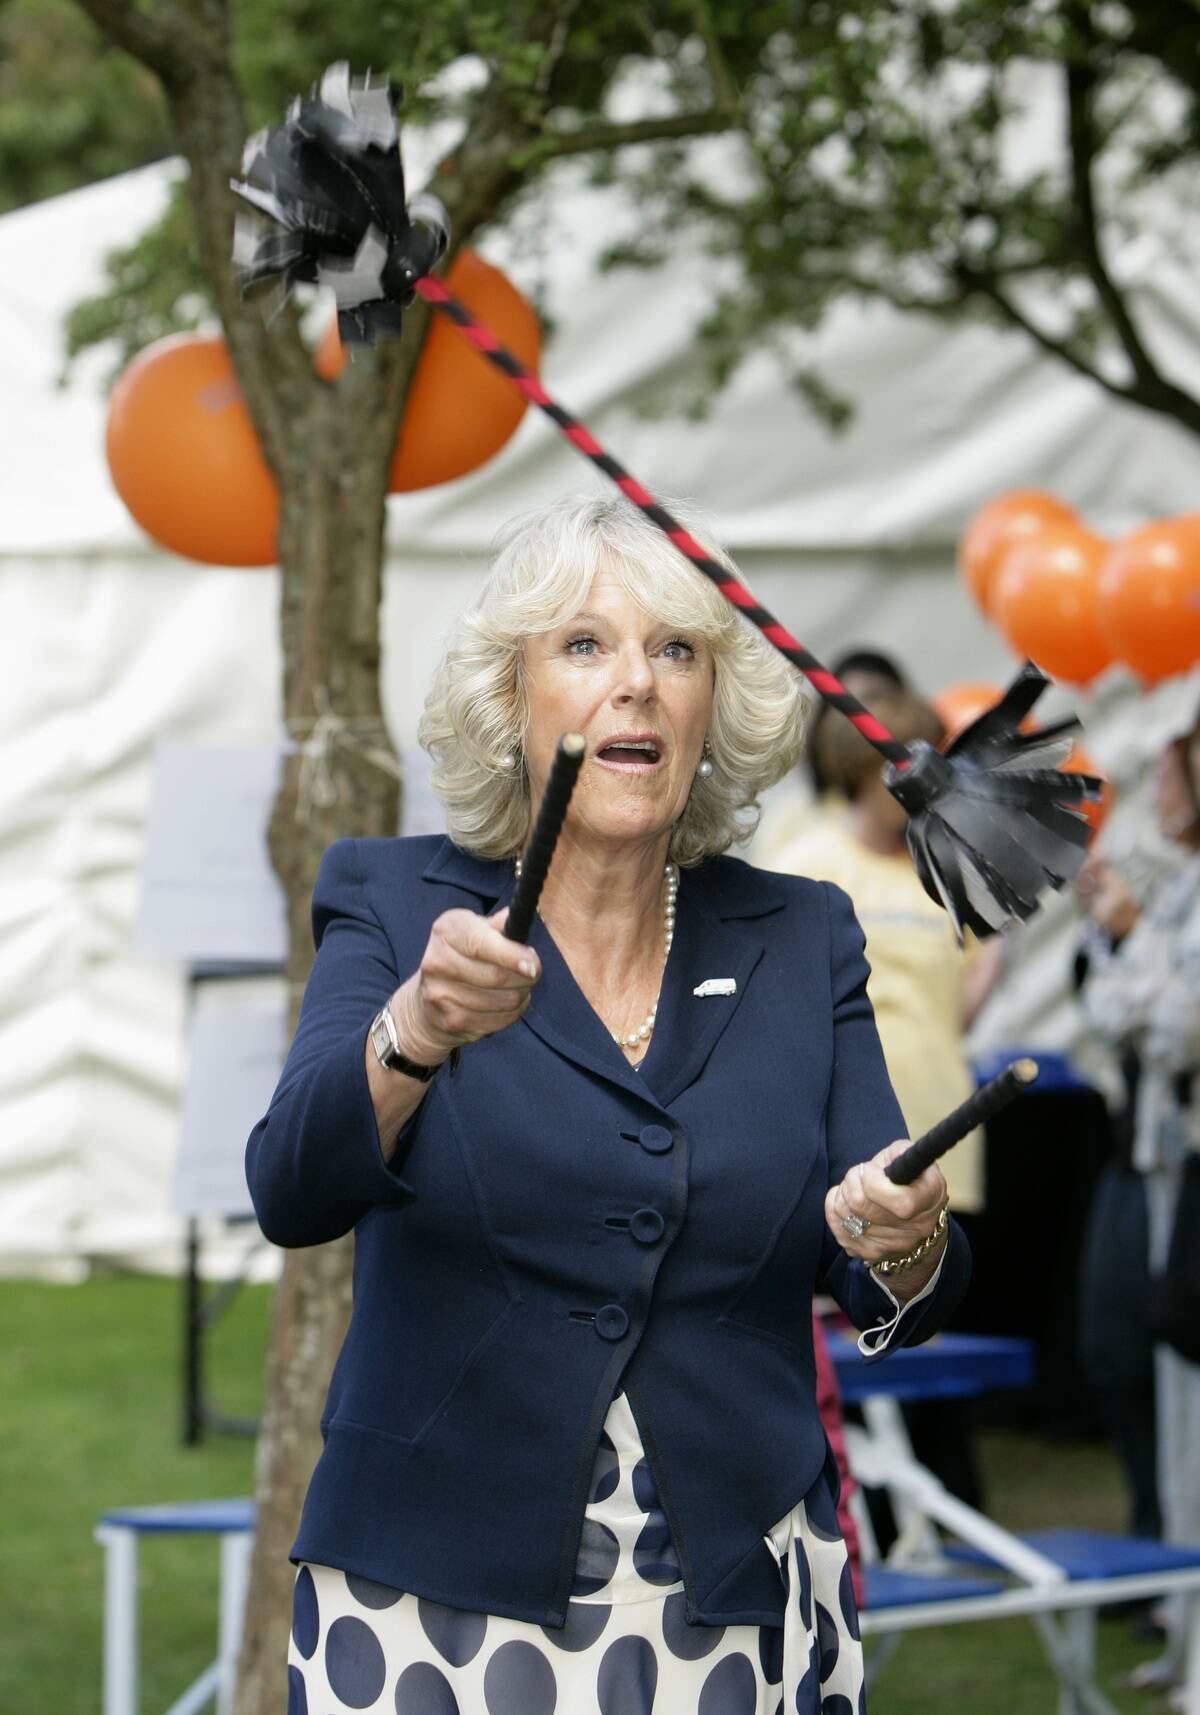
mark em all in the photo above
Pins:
pixel 631 754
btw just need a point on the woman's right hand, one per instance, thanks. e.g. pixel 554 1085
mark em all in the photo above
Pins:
pixel 472 981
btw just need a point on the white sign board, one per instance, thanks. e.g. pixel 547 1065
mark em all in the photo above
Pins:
pixel 237 1047
pixel 209 894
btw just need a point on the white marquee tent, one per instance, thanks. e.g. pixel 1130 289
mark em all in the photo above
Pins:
pixel 109 645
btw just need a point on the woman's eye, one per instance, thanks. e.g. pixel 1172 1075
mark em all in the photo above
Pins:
pixel 582 645
pixel 678 649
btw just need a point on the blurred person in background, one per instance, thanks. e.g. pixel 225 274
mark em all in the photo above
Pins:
pixel 868 675
pixel 924 987
pixel 1146 997
pixel 1115 1337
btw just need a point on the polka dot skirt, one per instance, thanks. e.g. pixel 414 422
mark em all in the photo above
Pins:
pixel 625 1649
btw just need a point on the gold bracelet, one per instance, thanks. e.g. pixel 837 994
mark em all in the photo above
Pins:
pixel 897 1264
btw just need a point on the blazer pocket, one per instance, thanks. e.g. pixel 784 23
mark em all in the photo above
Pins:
pixel 794 1345
pixel 415 1396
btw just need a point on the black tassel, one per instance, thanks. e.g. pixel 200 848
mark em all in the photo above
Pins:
pixel 993 822
pixel 330 183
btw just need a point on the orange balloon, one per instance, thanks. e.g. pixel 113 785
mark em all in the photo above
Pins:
pixel 1044 601
pixel 184 457
pixel 1148 598
pixel 958 705
pixel 1001 524
pixel 1095 815
pixel 460 411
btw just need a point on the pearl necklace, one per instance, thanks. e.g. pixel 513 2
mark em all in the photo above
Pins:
pixel 646 1028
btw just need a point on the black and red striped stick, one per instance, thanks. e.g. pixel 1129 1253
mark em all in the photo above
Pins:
pixel 827 684
pixel 991 824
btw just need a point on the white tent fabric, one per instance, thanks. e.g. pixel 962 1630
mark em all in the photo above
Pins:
pixel 107 644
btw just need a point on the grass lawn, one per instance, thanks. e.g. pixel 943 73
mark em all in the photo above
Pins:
pixel 89 1418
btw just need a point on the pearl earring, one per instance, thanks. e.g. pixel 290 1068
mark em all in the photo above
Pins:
pixel 507 762
pixel 704 767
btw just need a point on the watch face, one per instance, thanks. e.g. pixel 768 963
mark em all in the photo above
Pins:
pixel 381 1039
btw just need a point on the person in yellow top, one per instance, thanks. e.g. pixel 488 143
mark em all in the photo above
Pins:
pixel 925 989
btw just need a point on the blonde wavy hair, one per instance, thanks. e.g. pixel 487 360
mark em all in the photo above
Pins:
pixel 474 721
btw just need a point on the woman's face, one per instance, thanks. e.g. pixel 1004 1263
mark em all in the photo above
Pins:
pixel 641 694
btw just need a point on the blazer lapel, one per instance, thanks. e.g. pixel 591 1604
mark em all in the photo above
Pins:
pixel 558 1011
pixel 689 1025
pixel 709 943
pixel 561 1015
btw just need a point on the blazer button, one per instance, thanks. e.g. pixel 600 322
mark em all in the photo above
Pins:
pixel 647 1226
pixel 655 1138
pixel 611 1322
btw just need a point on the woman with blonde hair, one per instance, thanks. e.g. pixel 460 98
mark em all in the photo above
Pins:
pixel 573 1459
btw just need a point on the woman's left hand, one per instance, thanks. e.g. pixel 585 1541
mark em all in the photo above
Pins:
pixel 895 1219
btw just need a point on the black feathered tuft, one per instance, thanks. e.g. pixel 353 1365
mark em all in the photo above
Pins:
pixel 327 187
pixel 994 821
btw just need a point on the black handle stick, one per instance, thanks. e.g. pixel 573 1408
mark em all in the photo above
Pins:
pixel 563 774
pixel 994 1095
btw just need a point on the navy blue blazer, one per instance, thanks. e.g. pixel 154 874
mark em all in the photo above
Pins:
pixel 556 1225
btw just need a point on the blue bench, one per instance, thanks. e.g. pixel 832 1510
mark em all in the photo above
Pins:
pixel 118 1533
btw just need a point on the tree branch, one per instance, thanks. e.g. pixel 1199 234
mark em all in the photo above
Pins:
pixel 165 40
pixel 724 88
pixel 676 126
pixel 1152 392
pixel 1081 82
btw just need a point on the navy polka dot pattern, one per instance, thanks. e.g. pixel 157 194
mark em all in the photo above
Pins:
pixel 354 1663
pixel 847 1603
pixel 644 1491
pixel 599 1552
pixel 828 1641
pixel 306 1619
pixel 688 1643
pixel 297 1696
pixel 770 1652
pixel 654 1554
pixel 455 1634
pixel 584 1624
pixel 808 1691
pixel 627 1678
pixel 821 1511
pixel 626 1647
pixel 370 1594
pixel 804 1584
pixel 423 1689
pixel 730 1689
pixel 635 1548
pixel 519 1681
pixel 606 1472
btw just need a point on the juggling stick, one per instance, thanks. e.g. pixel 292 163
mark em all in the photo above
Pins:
pixel 991 824
pixel 976 1110
pixel 564 771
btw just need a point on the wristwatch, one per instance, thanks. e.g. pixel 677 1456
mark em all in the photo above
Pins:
pixel 387 1047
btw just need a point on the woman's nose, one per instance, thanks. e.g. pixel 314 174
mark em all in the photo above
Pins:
pixel 636 676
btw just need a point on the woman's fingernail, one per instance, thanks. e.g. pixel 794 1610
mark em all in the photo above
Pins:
pixel 528 968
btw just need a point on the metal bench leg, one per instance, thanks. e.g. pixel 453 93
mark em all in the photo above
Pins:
pixel 1191 1655
pixel 120 1695
pixel 235 1576
pixel 883 1647
pixel 1069 1640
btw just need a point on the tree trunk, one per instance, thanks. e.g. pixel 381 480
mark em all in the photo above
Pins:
pixel 331 552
